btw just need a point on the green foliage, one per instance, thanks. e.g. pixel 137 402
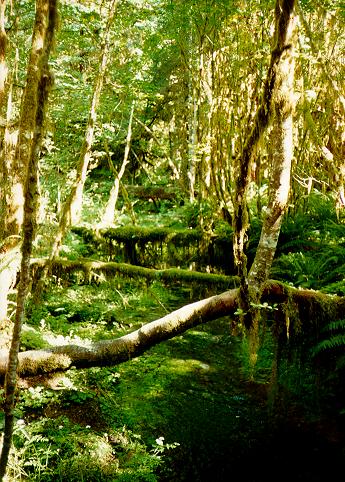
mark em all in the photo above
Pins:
pixel 335 340
pixel 262 370
pixel 311 247
pixel 35 397
pixel 76 397
pixel 58 450
pixel 31 339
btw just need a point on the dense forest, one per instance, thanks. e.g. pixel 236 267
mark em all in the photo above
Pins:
pixel 172 240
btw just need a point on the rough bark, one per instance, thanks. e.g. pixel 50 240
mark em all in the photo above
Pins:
pixel 3 63
pixel 280 106
pixel 281 139
pixel 26 131
pixel 45 22
pixel 309 311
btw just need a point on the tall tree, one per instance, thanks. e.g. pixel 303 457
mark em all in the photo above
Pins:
pixel 276 97
pixel 282 146
pixel 109 211
pixel 38 83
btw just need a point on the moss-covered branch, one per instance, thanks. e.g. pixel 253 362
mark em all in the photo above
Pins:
pixel 152 192
pixel 113 352
pixel 92 269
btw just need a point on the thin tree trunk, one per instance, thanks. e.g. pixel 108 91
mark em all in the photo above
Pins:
pixel 45 23
pixel 326 71
pixel 9 237
pixel 9 240
pixel 282 106
pixel 109 212
pixel 15 153
pixel 282 146
pixel 3 63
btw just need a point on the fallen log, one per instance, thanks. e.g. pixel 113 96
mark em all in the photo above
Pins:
pixel 309 311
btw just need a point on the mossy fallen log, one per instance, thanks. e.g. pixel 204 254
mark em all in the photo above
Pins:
pixel 159 247
pixel 123 234
pixel 309 311
pixel 92 270
pixel 112 352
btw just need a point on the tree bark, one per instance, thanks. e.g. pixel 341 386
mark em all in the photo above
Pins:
pixel 3 63
pixel 281 139
pixel 37 95
pixel 278 104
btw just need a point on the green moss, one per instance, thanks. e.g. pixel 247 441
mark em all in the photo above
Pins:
pixel 31 339
pixel 136 233
pixel 53 363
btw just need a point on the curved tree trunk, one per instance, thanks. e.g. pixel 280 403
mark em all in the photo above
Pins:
pixel 277 103
pixel 71 210
pixel 281 139
pixel 283 18
pixel 36 100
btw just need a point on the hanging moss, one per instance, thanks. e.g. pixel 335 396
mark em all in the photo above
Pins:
pixel 152 247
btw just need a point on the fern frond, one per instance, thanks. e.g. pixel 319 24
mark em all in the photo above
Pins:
pixel 329 344
pixel 338 325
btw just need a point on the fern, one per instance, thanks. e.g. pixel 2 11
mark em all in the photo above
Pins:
pixel 331 343
pixel 336 340
pixel 335 326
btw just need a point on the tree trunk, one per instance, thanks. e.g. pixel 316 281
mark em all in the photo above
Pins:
pixel 109 212
pixel 36 99
pixel 278 101
pixel 15 155
pixel 3 63
pixel 281 139
pixel 283 18
pixel 71 209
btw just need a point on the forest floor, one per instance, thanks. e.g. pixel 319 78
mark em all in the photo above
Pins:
pixel 192 390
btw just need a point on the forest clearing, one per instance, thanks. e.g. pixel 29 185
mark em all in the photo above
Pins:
pixel 172 240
